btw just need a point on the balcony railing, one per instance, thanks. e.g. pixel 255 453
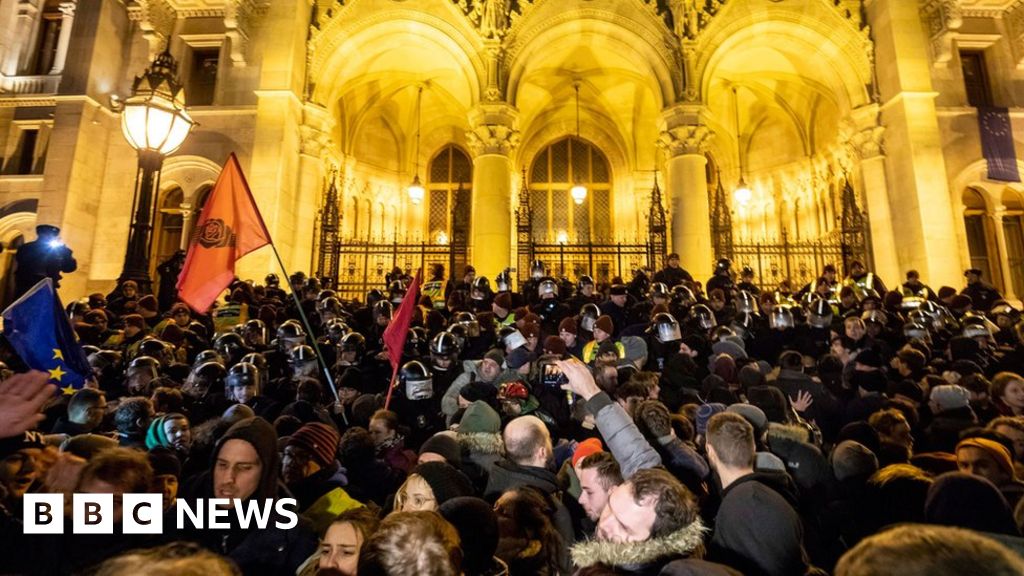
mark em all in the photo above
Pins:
pixel 18 85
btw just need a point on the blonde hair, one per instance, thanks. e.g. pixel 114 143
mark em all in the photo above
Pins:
pixel 413 481
pixel 421 543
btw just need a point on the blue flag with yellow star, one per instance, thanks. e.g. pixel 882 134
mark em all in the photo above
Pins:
pixel 38 330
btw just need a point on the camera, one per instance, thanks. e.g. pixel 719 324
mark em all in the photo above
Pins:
pixel 55 243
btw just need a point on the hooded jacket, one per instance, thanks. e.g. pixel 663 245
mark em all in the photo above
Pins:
pixel 257 551
pixel 757 529
pixel 647 557
pixel 470 373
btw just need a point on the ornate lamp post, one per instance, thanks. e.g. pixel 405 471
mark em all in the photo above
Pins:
pixel 155 123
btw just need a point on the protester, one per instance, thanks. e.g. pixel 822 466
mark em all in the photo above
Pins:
pixel 764 435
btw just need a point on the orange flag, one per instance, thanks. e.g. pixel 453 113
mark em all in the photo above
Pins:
pixel 229 227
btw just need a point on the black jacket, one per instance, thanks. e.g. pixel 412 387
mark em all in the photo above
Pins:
pixel 757 529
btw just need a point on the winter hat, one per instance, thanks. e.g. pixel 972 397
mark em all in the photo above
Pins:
pixel 694 567
pixel 29 439
pixel 444 445
pixel 704 413
pixel 950 397
pixel 519 357
pixel 731 345
pixel 618 290
pixel 477 524
pixel 987 511
pixel 852 459
pixel 960 301
pixel 604 323
pixel 997 451
pixel 751 414
pixel 87 445
pixel 320 440
pixel 503 301
pixel 586 448
pixel 568 325
pixel 479 391
pixel 496 355
pixel 134 320
pixel 164 462
pixel 148 302
pixel 445 481
pixel 946 292
pixel 521 313
pixel 554 345
pixel 530 330
pixel 480 417
pixel 156 435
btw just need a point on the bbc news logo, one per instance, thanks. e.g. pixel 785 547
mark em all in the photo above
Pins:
pixel 144 513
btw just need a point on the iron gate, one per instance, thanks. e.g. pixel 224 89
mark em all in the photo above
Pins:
pixel 603 260
pixel 800 262
pixel 353 266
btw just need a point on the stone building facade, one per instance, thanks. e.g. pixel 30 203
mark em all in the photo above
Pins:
pixel 486 99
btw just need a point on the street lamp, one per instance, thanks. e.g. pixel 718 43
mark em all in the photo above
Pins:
pixel 155 123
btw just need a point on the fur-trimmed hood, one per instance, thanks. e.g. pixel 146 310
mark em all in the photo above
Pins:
pixel 633 555
pixel 482 443
pixel 793 432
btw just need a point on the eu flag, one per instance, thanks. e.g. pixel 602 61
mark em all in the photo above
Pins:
pixel 38 330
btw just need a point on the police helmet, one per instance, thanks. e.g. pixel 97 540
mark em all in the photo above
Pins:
pixel 659 290
pixel 702 316
pixel 242 374
pixel 820 314
pixel 666 328
pixel 353 342
pixel 589 313
pixel 745 302
pixel 416 380
pixel 271 280
pixel 781 318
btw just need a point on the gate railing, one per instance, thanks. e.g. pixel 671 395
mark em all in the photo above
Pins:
pixel 365 264
pixel 800 262
pixel 601 260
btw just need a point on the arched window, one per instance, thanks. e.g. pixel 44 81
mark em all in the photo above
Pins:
pixel 980 242
pixel 1013 230
pixel 450 184
pixel 167 239
pixel 554 172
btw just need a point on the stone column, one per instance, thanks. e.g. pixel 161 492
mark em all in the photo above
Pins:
pixel 1002 255
pixel 868 144
pixel 492 138
pixel 314 147
pixel 920 206
pixel 67 10
pixel 684 138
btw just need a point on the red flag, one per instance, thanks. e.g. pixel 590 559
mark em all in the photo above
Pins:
pixel 229 227
pixel 397 331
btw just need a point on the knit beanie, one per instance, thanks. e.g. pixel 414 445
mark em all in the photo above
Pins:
pixel 480 417
pixel 950 397
pixel 530 330
pixel 994 449
pixel 605 324
pixel 496 355
pixel 134 320
pixel 477 524
pixel 148 302
pixel 568 325
pixel 704 413
pixel 608 347
pixel 554 345
pixel 320 440
pixel 164 462
pixel 444 445
pixel 968 501
pixel 503 301
pixel 445 481
pixel 586 448
pixel 852 459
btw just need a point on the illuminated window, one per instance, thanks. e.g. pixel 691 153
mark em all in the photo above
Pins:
pixel 450 183
pixel 554 172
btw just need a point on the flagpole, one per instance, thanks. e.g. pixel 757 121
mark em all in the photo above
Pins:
pixel 309 329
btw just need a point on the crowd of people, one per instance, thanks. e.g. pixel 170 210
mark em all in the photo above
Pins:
pixel 655 426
